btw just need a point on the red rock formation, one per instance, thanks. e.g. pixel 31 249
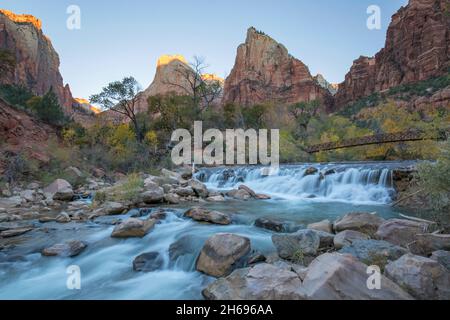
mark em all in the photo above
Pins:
pixel 37 65
pixel 22 133
pixel 417 48
pixel 264 71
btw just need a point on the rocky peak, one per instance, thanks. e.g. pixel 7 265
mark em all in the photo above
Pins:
pixel 321 81
pixel 417 48
pixel 37 63
pixel 264 71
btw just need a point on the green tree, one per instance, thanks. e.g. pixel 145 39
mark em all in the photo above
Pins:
pixel 47 108
pixel 303 112
pixel 122 97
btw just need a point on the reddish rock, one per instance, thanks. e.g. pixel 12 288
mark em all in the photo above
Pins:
pixel 264 71
pixel 37 63
pixel 417 48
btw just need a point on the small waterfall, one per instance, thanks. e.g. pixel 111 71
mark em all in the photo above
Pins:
pixel 361 184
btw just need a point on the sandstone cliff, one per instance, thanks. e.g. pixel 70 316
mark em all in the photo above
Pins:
pixel 37 63
pixel 417 48
pixel 264 71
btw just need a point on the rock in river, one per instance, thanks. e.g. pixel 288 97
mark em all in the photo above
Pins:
pixel 222 253
pixel 148 262
pixel 67 249
pixel 133 228
pixel 367 223
pixel 203 215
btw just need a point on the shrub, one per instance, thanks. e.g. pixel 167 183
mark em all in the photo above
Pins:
pixel 47 108
pixel 128 190
pixel 16 95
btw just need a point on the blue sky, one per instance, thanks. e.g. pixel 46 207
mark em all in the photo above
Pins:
pixel 121 38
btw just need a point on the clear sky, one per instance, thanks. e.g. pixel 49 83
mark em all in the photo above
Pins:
pixel 121 38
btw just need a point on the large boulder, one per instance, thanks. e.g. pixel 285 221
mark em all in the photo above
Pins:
pixel 185 191
pixel 423 278
pixel 400 232
pixel 153 195
pixel 324 225
pixel 297 245
pixel 148 262
pixel 443 257
pixel 248 190
pixel 239 194
pixel 359 221
pixel 426 244
pixel 172 198
pixel 203 215
pixel 133 228
pixel 374 252
pixel 67 249
pixel 114 208
pixel 346 238
pixel 222 253
pixel 60 189
pixel 199 188
pixel 261 282
pixel 334 276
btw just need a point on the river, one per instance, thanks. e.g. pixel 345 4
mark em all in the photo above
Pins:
pixel 106 264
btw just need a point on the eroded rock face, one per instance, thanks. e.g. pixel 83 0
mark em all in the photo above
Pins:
pixel 37 63
pixel 334 276
pixel 222 253
pixel 265 72
pixel 261 282
pixel 422 277
pixel 417 48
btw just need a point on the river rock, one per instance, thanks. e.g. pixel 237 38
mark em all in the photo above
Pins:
pixel 148 262
pixel 367 223
pixel 28 195
pixel 133 228
pixel 334 276
pixel 296 245
pixel 443 257
pixel 400 232
pixel 222 253
pixel 203 215
pixel 63 217
pixel 426 244
pixel 346 238
pixel 14 232
pixel 248 190
pixel 261 196
pixel 172 177
pixel 67 249
pixel 172 198
pixel 114 208
pixel 60 189
pixel 261 282
pixel 374 252
pixel 326 239
pixel 271 224
pixel 324 225
pixel 199 188
pixel 185 192
pixel 239 194
pixel 153 195
pixel 310 171
pixel 422 277
pixel 217 198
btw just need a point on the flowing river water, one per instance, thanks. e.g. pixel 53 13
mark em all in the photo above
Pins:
pixel 106 264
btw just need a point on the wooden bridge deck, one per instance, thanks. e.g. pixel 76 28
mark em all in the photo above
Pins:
pixel 405 136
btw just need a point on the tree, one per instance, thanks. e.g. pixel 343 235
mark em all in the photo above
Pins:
pixel 121 97
pixel 47 108
pixel 7 63
pixel 303 112
pixel 204 91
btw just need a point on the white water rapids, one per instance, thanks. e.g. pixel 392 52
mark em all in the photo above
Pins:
pixel 106 264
